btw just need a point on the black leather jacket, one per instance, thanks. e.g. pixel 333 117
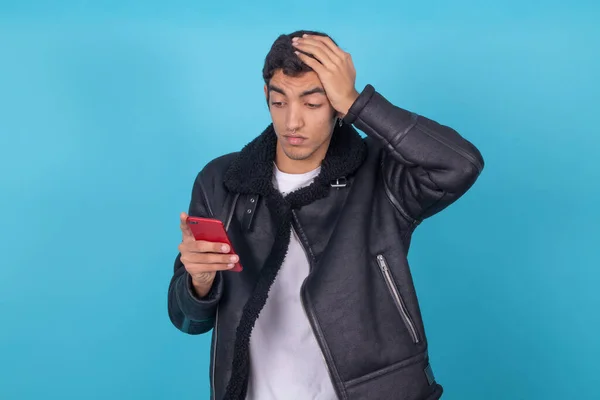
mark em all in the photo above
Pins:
pixel 359 296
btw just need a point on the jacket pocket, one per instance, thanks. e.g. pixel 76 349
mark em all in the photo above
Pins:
pixel 397 298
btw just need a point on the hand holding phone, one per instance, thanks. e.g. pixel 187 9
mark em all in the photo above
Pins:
pixel 205 249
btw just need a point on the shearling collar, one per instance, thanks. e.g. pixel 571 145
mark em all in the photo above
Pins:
pixel 252 171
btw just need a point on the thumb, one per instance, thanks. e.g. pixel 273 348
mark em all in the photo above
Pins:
pixel 186 232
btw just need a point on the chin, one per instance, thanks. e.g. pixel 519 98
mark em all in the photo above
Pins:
pixel 298 154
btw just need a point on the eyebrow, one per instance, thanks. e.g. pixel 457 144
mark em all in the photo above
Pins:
pixel 305 93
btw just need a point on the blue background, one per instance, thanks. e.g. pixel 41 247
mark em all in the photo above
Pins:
pixel 109 109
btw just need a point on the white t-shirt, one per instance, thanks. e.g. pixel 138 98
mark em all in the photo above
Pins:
pixel 285 360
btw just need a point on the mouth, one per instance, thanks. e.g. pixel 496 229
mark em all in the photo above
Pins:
pixel 295 140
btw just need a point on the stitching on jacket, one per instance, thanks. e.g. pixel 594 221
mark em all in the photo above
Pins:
pixel 404 133
pixel 388 143
pixel 395 202
pixel 387 370
pixel 205 197
pixel 450 145
pixel 312 254
pixel 231 211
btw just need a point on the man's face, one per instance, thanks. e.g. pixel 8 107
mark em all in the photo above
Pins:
pixel 302 116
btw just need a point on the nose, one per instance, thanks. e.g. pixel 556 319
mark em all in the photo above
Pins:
pixel 293 119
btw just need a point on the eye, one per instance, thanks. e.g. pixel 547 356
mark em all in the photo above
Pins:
pixel 277 103
pixel 309 105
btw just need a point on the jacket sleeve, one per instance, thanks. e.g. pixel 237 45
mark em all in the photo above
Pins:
pixel 187 312
pixel 427 166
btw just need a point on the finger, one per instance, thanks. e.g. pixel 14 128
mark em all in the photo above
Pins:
pixel 332 51
pixel 326 40
pixel 202 246
pixel 186 232
pixel 311 62
pixel 208 258
pixel 318 50
pixel 194 269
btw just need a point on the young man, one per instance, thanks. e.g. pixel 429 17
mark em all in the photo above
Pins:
pixel 321 220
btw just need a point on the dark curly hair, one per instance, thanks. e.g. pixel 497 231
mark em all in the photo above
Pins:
pixel 282 56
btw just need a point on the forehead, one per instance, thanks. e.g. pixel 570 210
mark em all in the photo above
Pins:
pixel 294 85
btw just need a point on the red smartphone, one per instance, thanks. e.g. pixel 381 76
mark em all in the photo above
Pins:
pixel 212 230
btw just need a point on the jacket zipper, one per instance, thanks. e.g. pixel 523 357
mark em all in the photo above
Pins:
pixel 387 276
pixel 311 318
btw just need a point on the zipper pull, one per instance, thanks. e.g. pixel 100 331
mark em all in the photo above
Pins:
pixel 381 262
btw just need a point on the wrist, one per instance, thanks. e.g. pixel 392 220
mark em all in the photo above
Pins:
pixel 348 103
pixel 201 286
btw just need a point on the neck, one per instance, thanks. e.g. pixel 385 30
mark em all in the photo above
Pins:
pixel 290 166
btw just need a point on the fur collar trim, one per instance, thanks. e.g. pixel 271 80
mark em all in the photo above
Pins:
pixel 252 171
